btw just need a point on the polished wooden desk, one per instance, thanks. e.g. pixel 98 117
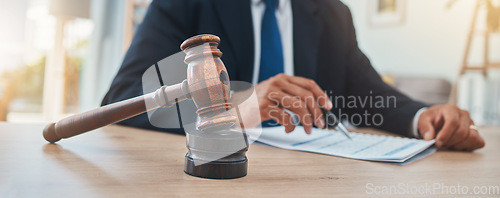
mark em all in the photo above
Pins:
pixel 126 162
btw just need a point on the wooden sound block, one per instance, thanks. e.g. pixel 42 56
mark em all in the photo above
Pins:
pixel 216 169
pixel 216 154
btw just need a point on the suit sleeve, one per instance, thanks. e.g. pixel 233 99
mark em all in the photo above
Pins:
pixel 159 36
pixel 388 109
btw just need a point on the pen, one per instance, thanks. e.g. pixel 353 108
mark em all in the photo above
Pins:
pixel 333 123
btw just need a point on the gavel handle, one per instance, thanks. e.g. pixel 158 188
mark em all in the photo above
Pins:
pixel 116 112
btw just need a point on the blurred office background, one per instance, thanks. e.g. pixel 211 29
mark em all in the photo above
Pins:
pixel 58 57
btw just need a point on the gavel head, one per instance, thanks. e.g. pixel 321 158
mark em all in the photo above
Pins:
pixel 208 82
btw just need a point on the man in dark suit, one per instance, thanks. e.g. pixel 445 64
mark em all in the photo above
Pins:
pixel 291 50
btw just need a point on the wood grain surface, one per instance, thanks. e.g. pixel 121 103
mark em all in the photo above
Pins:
pixel 118 161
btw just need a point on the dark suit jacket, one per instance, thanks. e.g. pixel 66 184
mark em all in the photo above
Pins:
pixel 325 49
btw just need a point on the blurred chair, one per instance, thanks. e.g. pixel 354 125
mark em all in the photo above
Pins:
pixel 423 89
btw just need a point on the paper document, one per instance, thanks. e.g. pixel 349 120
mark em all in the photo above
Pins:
pixel 363 146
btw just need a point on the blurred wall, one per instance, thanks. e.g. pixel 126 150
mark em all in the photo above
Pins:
pixel 105 51
pixel 12 33
pixel 430 42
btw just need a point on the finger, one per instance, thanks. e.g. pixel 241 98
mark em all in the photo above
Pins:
pixel 473 141
pixel 298 107
pixel 466 143
pixel 279 115
pixel 309 84
pixel 462 132
pixel 451 123
pixel 426 127
pixel 477 139
pixel 310 101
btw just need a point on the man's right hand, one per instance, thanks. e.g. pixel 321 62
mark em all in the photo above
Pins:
pixel 300 95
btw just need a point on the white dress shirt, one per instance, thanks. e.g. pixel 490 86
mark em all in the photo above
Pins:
pixel 284 18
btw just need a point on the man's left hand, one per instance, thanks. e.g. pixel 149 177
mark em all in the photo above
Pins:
pixel 451 127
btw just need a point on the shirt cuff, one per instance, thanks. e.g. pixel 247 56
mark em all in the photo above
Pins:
pixel 414 125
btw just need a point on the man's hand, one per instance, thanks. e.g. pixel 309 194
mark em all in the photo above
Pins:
pixel 451 127
pixel 300 95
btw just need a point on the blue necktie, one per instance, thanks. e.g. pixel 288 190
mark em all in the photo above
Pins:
pixel 271 59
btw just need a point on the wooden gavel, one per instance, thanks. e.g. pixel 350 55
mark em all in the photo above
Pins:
pixel 207 84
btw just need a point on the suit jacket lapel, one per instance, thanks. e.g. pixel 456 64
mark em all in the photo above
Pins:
pixel 307 28
pixel 236 21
